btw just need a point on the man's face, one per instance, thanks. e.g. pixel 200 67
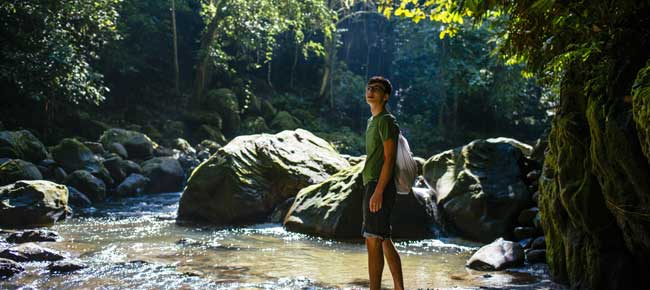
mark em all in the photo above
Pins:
pixel 376 94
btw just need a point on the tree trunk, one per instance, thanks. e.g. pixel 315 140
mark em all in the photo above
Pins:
pixel 203 63
pixel 176 68
pixel 293 66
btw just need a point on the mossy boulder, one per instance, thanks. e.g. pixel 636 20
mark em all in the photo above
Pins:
pixel 285 121
pixel 73 155
pixel 246 179
pixel 479 188
pixel 21 145
pixel 17 169
pixel 137 145
pixel 33 203
pixel 594 185
pixel 332 209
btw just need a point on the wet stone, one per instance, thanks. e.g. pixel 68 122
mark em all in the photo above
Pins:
pixel 34 236
pixel 536 256
pixel 527 216
pixel 30 252
pixel 66 266
pixel 539 243
pixel 525 243
pixel 9 268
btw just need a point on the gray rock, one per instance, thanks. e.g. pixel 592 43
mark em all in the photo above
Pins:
pixel 165 174
pixel 164 152
pixel 9 268
pixel 33 203
pixel 479 188
pixel 30 252
pixel 73 155
pixel 78 199
pixel 245 180
pixel 526 243
pixel 129 167
pixel 496 256
pixel 114 166
pixel 59 175
pixel 17 169
pixel 66 266
pixel 183 146
pixel 132 185
pixel 95 147
pixel 21 145
pixel 137 145
pixel 93 187
pixel 539 243
pixel 118 149
pixel 34 236
pixel 536 256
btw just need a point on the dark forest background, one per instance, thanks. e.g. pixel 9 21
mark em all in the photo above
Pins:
pixel 75 68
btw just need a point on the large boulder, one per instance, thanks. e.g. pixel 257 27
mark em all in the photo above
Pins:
pixel 21 145
pixel 137 145
pixel 479 188
pixel 332 209
pixel 498 255
pixel 165 174
pixel 17 169
pixel 251 175
pixel 33 203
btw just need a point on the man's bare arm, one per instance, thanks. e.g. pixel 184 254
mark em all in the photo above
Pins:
pixel 384 176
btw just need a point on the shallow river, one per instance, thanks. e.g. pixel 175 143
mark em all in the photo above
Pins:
pixel 135 243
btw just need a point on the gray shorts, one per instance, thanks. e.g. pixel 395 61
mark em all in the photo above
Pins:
pixel 377 224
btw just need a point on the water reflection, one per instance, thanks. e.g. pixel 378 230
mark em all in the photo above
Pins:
pixel 135 243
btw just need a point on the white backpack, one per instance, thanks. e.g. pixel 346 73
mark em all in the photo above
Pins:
pixel 406 169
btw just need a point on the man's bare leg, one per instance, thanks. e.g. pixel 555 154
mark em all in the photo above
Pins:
pixel 394 263
pixel 375 262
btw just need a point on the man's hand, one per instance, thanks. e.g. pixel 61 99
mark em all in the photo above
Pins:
pixel 375 201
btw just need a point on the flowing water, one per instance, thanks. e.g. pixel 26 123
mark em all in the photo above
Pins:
pixel 136 243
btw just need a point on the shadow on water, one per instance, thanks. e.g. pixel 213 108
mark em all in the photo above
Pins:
pixel 136 243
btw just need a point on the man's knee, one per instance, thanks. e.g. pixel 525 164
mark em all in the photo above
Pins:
pixel 372 241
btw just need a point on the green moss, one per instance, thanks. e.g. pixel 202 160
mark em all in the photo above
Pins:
pixel 641 108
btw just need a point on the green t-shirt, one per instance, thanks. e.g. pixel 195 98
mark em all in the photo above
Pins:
pixel 380 128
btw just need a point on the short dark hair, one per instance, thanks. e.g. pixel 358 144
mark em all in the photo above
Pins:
pixel 388 88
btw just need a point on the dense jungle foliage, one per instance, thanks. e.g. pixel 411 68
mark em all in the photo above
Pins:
pixel 222 68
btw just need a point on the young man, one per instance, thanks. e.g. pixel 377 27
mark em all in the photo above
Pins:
pixel 381 148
